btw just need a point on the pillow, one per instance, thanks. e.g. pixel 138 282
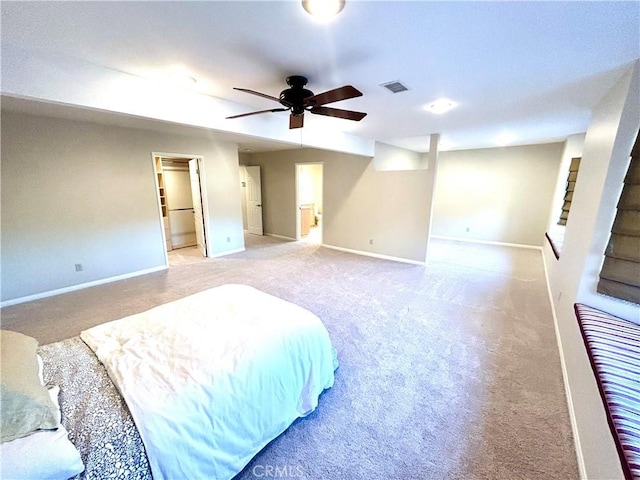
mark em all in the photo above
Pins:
pixel 44 455
pixel 25 403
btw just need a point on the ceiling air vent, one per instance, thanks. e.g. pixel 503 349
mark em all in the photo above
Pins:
pixel 394 87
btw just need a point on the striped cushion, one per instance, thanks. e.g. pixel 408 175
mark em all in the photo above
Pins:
pixel 613 345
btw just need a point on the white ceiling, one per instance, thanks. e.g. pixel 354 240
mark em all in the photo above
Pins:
pixel 529 70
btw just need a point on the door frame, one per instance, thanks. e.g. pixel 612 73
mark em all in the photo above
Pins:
pixel 297 204
pixel 203 189
pixel 199 167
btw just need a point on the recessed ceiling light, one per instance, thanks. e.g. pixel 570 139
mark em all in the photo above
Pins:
pixel 323 9
pixel 441 105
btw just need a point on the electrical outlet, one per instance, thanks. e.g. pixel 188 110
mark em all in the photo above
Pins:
pixel 228 239
pixel 467 229
pixel 78 267
pixel 371 241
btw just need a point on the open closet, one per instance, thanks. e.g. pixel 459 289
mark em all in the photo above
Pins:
pixel 180 198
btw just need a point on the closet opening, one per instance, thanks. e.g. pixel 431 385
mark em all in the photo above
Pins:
pixel 180 186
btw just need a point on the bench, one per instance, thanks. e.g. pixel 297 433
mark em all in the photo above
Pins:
pixel 613 345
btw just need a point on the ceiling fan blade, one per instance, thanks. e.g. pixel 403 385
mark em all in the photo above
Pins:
pixel 336 112
pixel 253 92
pixel 335 95
pixel 260 111
pixel 296 121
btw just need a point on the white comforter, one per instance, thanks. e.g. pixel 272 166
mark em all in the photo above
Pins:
pixel 212 378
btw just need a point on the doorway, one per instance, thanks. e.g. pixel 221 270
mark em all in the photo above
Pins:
pixel 309 207
pixel 251 199
pixel 254 200
pixel 182 203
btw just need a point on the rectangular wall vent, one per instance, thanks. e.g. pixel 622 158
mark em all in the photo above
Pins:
pixel 394 87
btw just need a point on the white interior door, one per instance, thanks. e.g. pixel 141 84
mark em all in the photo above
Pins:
pixel 196 194
pixel 254 201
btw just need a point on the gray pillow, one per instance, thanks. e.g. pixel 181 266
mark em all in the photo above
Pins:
pixel 24 402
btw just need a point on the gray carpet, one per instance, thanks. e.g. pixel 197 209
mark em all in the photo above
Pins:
pixel 449 371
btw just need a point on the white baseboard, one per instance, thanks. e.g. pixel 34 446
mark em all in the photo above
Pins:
pixel 80 286
pixel 375 255
pixel 222 254
pixel 582 469
pixel 487 242
pixel 280 236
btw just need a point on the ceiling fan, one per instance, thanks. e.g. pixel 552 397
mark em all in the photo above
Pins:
pixel 298 99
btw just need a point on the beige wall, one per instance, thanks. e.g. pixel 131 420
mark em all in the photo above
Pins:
pixel 496 194
pixel 392 158
pixel 573 278
pixel 277 173
pixel 391 208
pixel 78 192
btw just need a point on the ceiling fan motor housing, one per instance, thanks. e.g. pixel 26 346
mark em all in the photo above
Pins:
pixel 295 96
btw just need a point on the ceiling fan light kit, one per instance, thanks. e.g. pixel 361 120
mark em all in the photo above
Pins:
pixel 297 99
pixel 323 9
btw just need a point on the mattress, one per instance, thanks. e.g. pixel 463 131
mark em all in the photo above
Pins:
pixel 190 389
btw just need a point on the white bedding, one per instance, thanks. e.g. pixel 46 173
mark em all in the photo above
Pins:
pixel 212 378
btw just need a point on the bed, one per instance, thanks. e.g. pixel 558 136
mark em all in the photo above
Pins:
pixel 190 389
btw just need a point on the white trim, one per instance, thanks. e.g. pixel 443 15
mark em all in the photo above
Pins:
pixel 169 156
pixel 159 201
pixel 375 255
pixel 582 469
pixel 204 203
pixel 81 286
pixel 222 254
pixel 487 242
pixel 280 236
